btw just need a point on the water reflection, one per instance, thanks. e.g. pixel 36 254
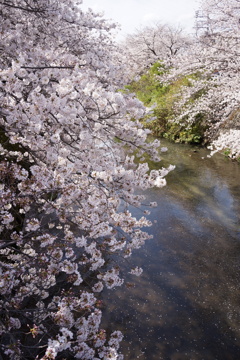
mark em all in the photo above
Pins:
pixel 186 305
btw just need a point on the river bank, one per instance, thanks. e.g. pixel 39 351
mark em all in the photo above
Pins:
pixel 169 118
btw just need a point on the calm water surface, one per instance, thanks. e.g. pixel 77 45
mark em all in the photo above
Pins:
pixel 186 304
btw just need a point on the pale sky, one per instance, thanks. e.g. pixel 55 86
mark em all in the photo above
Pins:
pixel 133 14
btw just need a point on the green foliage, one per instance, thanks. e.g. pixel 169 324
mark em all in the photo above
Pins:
pixel 227 152
pixel 148 88
pixel 163 98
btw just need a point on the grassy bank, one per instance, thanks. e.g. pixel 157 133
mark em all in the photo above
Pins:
pixel 162 99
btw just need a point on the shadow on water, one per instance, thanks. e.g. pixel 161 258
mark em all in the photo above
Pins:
pixel 186 304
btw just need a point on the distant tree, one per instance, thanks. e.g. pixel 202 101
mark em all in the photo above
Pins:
pixel 159 42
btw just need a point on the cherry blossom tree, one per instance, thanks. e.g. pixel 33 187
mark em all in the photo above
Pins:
pixel 212 66
pixel 69 139
pixel 151 44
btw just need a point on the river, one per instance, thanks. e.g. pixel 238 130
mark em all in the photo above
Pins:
pixel 186 304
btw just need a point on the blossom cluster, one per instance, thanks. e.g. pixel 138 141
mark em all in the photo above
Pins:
pixel 211 66
pixel 66 181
